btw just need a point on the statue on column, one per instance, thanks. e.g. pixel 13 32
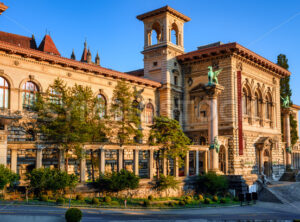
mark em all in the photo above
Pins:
pixel 285 102
pixel 213 76
pixel 215 145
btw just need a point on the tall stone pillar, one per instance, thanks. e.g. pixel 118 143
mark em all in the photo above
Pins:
pixel 101 160
pixel 120 158
pixel 39 158
pixel 187 165
pixel 151 163
pixel 136 162
pixel 197 162
pixel 213 92
pixel 61 159
pixel 13 160
pixel 82 167
pixel 287 136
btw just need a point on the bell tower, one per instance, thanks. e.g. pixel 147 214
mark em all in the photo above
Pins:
pixel 163 42
pixel 2 8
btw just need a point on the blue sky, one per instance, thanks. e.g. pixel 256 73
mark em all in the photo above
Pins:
pixel 110 27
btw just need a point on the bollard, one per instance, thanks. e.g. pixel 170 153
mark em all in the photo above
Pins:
pixel 241 198
pixel 254 197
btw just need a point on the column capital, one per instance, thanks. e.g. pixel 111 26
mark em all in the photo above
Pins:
pixel 286 111
pixel 213 91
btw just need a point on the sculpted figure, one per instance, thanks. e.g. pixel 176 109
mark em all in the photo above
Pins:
pixel 213 76
pixel 285 102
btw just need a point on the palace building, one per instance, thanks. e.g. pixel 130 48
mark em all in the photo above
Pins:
pixel 243 111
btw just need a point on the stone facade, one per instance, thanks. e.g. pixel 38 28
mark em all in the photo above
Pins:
pixel 173 84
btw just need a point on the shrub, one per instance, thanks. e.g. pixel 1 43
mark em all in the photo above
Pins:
pixel 211 183
pixel 172 204
pixel 236 198
pixel 207 201
pixel 60 201
pixel 200 197
pixel 188 199
pixel 182 202
pixel 73 215
pixel 215 198
pixel 107 199
pixel 146 203
pixel 223 200
pixel 79 197
pixel 150 197
pixel 114 203
pixel 7 177
pixel 95 201
pixel 166 182
pixel 44 198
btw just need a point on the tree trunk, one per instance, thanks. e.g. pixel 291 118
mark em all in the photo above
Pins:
pixel 67 161
pixel 157 165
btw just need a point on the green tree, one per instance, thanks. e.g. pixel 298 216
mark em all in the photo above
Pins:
pixel 7 177
pixel 166 182
pixel 69 116
pixel 46 179
pixel 118 181
pixel 211 183
pixel 124 115
pixel 167 134
pixel 285 91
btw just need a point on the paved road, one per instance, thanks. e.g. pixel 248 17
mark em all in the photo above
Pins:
pixel 261 211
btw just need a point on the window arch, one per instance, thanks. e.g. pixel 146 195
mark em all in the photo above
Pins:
pixel 268 110
pixel 174 36
pixel 30 90
pixel 102 105
pixel 155 34
pixel 4 93
pixel 257 105
pixel 149 113
pixel 246 102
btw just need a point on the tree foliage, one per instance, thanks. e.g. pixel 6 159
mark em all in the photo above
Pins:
pixel 46 179
pixel 124 114
pixel 285 91
pixel 7 177
pixel 69 116
pixel 212 183
pixel 117 181
pixel 167 134
pixel 166 182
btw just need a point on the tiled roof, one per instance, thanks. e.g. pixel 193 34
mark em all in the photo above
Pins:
pixel 233 48
pixel 163 10
pixel 138 72
pixel 56 59
pixel 18 40
pixel 296 106
pixel 47 45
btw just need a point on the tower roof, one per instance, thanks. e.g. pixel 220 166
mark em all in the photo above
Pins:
pixel 47 45
pixel 84 53
pixel 161 11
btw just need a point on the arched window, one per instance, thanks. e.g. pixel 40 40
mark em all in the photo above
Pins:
pixel 149 113
pixel 55 97
pixel 102 104
pixel 118 112
pixel 245 102
pixel 222 159
pixel 268 110
pixel 30 90
pixel 4 94
pixel 174 34
pixel 257 105
pixel 155 34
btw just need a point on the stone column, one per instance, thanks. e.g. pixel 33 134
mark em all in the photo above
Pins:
pixel 165 170
pixel 187 165
pixel 82 167
pixel 176 168
pixel 261 161
pixel 205 162
pixel 213 92
pixel 197 162
pixel 151 161
pixel 61 159
pixel 101 160
pixel 13 160
pixel 287 136
pixel 136 162
pixel 39 158
pixel 120 158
